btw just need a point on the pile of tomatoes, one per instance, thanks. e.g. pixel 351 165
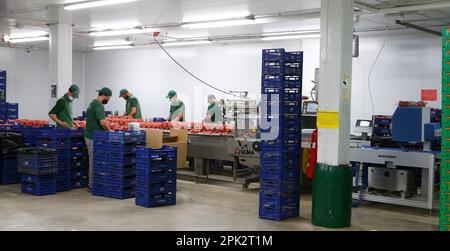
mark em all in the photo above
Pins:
pixel 30 122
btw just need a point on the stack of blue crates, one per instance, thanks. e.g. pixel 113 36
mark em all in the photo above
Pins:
pixel 38 167
pixel 12 111
pixel 100 164
pixel 79 160
pixel 58 139
pixel 9 143
pixel 156 176
pixel 3 105
pixel 115 172
pixel 281 153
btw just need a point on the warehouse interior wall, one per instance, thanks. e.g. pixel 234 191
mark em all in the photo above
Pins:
pixel 28 80
pixel 410 62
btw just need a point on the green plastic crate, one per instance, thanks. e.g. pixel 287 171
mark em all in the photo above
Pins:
pixel 445 197
pixel 445 186
pixel 446 32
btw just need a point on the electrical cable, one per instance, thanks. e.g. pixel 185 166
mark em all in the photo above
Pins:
pixel 190 73
pixel 373 66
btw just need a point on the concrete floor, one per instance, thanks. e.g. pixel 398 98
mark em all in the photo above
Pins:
pixel 199 207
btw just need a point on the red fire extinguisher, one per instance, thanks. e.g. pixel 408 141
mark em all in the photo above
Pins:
pixel 312 155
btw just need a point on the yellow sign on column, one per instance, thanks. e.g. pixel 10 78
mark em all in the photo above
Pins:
pixel 328 119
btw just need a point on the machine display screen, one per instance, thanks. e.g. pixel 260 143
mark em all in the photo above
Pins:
pixel 365 123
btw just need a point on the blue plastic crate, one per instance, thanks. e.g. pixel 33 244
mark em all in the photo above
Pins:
pixel 9 178
pixel 100 177
pixel 121 193
pixel 77 143
pixel 100 155
pixel 293 57
pixel 156 176
pixel 78 183
pixel 100 145
pixel 155 164
pixel 36 165
pixel 100 165
pixel 381 131
pixel 143 185
pixel 121 169
pixel 125 137
pixel 147 200
pixel 79 153
pixel 278 214
pixel 121 181
pixel 100 135
pixel 123 149
pixel 273 68
pixel 279 187
pixel 280 158
pixel 62 185
pixel 75 164
pixel 77 133
pixel 273 55
pixel 293 69
pixel 279 172
pixel 275 200
pixel 124 159
pixel 39 189
pixel 82 172
pixel 38 179
pixel 279 146
pixel 99 189
pixel 165 153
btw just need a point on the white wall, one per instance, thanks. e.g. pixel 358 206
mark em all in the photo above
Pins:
pixel 28 81
pixel 150 74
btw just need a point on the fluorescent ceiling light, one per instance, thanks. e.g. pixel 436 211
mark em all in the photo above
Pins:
pixel 271 38
pixel 218 24
pixel 93 4
pixel 112 33
pixel 216 16
pixel 116 25
pixel 112 47
pixel 112 43
pixel 187 43
pixel 28 39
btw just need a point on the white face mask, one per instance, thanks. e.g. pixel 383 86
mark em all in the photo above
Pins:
pixel 71 98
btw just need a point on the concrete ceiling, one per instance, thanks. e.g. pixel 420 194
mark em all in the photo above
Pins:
pixel 24 16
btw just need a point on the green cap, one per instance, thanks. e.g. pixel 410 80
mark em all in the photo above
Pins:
pixel 171 94
pixel 106 91
pixel 75 91
pixel 122 92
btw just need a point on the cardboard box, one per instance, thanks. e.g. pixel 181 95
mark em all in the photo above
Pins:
pixel 178 138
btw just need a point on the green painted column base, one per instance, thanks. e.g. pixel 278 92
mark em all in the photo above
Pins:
pixel 332 196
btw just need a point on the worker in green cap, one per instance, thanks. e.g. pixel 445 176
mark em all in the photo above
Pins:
pixel 132 107
pixel 214 113
pixel 96 121
pixel 61 113
pixel 177 108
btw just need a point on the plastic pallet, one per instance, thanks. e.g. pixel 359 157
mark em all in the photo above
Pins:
pixel 146 200
pixel 39 189
pixel 279 187
pixel 144 185
pixel 121 193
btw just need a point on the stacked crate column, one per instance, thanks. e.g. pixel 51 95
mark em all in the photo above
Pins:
pixel 445 162
pixel 100 164
pixel 79 162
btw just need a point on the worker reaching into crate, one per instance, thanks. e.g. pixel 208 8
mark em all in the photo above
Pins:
pixel 177 108
pixel 61 113
pixel 132 107
pixel 96 121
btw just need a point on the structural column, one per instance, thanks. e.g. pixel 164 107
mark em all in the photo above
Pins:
pixel 332 185
pixel 60 48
